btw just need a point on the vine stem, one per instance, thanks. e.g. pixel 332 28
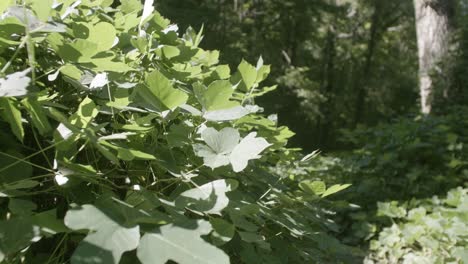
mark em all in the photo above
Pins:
pixel 30 48
pixel 7 65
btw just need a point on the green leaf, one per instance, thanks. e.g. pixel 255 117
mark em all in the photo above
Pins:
pixel 15 84
pixel 108 238
pixel 210 198
pixel 87 110
pixel 170 52
pixel 80 50
pixel 71 71
pixel 179 135
pixel 218 146
pixel 223 231
pixel 222 72
pixel 4 5
pixel 223 147
pixel 249 148
pixel 313 187
pixel 247 74
pixel 12 114
pixel 37 115
pixel 160 92
pixel 21 206
pixel 103 34
pixel 42 9
pixel 334 189
pixel 181 244
pixel 108 64
pixel 49 223
pixel 130 6
pixel 226 114
pixel 216 96
pixel 15 235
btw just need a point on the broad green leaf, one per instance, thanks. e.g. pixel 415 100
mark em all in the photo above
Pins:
pixel 87 110
pixel 181 244
pixel 223 231
pixel 15 84
pixel 179 135
pixel 23 184
pixel 249 148
pixel 11 113
pixel 42 9
pixel 80 50
pixel 4 5
pixel 210 198
pixel 71 71
pixel 140 43
pixel 159 91
pixel 223 147
pixel 334 189
pixel 21 206
pixel 49 223
pixel 247 74
pixel 103 34
pixel 99 81
pixel 216 96
pixel 218 146
pixel 313 187
pixel 226 114
pixel 108 64
pixel 170 52
pixel 15 235
pixel 222 72
pixel 130 6
pixel 37 115
pixel 108 239
pixel 262 70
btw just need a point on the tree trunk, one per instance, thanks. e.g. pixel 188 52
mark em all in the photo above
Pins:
pixel 433 28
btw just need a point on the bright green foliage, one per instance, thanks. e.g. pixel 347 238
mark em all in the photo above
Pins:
pixel 428 231
pixel 116 136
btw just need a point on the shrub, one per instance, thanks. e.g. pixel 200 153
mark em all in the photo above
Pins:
pixel 123 142
pixel 424 231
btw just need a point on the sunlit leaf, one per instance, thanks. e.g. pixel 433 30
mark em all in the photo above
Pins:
pixel 15 84
pixel 108 239
pixel 209 198
pixel 249 148
pixel 181 244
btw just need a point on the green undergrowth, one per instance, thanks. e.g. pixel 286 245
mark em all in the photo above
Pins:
pixel 394 169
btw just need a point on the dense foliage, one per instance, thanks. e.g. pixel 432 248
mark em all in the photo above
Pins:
pixel 396 168
pixel 425 231
pixel 123 142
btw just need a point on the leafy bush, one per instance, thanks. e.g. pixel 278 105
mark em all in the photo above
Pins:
pixel 123 143
pixel 425 231
pixel 410 158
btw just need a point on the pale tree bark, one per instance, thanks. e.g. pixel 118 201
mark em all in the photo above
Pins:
pixel 433 29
